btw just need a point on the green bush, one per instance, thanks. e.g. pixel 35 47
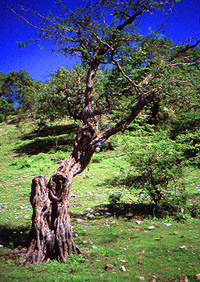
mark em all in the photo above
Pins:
pixel 172 205
pixel 115 199
pixel 157 161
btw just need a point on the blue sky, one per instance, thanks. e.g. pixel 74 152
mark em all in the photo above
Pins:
pixel 184 23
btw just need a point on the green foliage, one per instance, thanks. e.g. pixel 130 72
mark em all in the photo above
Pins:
pixel 173 205
pixel 155 159
pixel 156 162
pixel 147 64
pixel 19 95
pixel 106 33
pixel 64 93
pixel 6 105
pixel 190 143
pixel 114 199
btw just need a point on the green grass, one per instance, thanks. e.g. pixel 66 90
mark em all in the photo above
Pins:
pixel 159 254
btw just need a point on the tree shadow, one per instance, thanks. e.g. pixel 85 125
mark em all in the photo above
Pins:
pixel 54 130
pixel 14 237
pixel 131 210
pixel 124 210
pixel 58 137
pixel 45 145
pixel 127 181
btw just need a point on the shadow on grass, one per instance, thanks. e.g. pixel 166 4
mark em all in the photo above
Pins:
pixel 14 237
pixel 48 138
pixel 54 130
pixel 128 181
pixel 45 145
pixel 131 210
pixel 124 210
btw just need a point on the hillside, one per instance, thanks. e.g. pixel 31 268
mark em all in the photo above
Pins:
pixel 113 221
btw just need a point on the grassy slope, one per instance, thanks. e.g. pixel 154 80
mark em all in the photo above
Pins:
pixel 149 255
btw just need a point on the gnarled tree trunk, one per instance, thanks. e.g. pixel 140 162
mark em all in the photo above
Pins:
pixel 51 233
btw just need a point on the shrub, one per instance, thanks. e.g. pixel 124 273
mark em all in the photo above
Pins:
pixel 157 160
pixel 115 199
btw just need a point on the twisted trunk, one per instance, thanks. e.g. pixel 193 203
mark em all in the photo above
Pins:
pixel 51 233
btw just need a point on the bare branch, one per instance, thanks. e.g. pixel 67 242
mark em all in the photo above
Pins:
pixel 138 90
pixel 28 22
pixel 184 50
pixel 184 64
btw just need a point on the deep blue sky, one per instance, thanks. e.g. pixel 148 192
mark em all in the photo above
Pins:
pixel 184 23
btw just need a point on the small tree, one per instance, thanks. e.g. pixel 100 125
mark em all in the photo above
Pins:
pixel 22 93
pixel 99 33
pixel 157 160
pixel 6 104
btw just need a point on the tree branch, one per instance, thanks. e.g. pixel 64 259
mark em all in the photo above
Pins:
pixel 138 90
pixel 137 108
pixel 28 22
pixel 184 50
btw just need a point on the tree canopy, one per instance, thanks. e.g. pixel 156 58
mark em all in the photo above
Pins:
pixel 19 93
pixel 107 33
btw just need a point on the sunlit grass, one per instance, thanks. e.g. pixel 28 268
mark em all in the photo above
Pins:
pixel 160 253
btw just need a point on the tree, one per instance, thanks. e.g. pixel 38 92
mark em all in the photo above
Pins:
pixel 178 84
pixel 21 92
pixel 63 93
pixel 99 33
pixel 6 105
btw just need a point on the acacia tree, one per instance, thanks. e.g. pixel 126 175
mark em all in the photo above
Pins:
pixel 99 33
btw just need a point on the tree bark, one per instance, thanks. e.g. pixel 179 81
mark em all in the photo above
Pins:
pixel 51 233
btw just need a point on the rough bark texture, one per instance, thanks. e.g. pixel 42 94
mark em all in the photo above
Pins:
pixel 51 233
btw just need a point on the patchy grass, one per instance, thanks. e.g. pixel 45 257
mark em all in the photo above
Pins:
pixel 150 249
